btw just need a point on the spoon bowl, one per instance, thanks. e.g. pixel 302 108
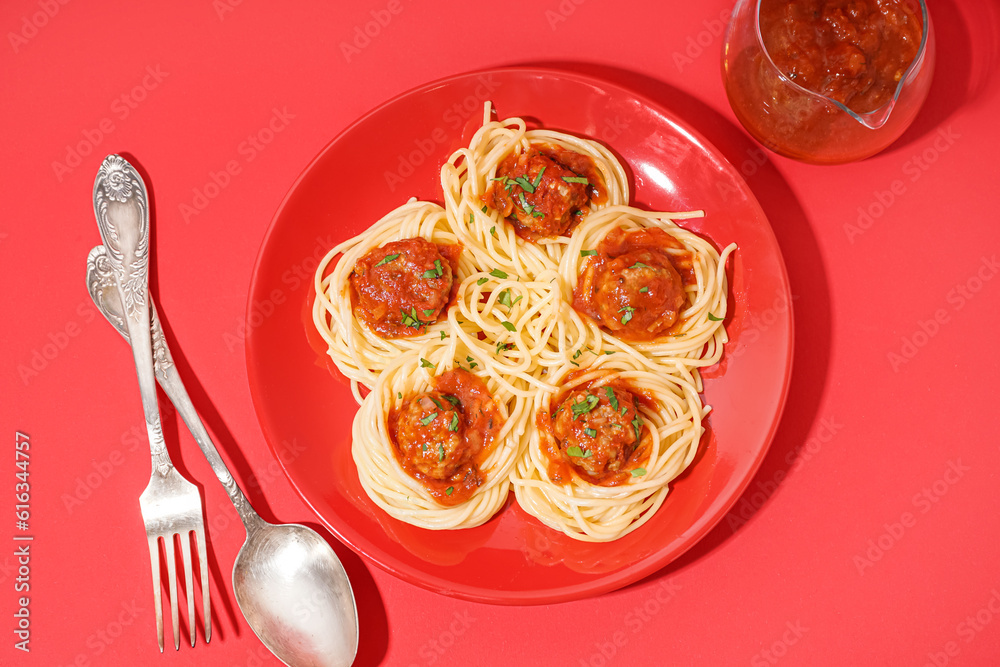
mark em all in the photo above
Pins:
pixel 296 596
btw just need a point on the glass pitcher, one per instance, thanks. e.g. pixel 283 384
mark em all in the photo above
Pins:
pixel 806 125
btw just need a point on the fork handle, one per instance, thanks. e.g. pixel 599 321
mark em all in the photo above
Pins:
pixel 122 210
pixel 172 385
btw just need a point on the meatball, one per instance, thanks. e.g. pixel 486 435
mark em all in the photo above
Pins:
pixel 430 435
pixel 639 293
pixel 401 287
pixel 541 195
pixel 597 429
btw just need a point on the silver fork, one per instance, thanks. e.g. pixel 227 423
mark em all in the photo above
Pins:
pixel 170 505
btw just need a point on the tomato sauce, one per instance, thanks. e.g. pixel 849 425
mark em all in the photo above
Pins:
pixel 546 190
pixel 478 422
pixel 595 432
pixel 852 51
pixel 632 286
pixel 399 289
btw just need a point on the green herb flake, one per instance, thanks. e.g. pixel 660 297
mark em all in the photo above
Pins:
pixel 576 355
pixel 440 452
pixel 638 472
pixel 450 490
pixel 386 260
pixel 497 273
pixel 485 209
pixel 611 397
pixel 410 319
pixel 452 400
pixel 493 230
pixel 428 312
pixel 482 281
pixel 399 395
pixel 640 265
pixel 443 335
pixel 538 179
pixel 713 318
pixel 637 425
pixel 472 218
pixel 508 326
pixel 429 418
pixel 437 403
pixel 587 253
pixel 453 424
pixel 627 317
pixel 525 184
pixel 579 453
pixel 643 290
pixel 425 364
pixel 583 407
pixel 591 433
pixel 436 272
pixel 575 179
pixel 472 362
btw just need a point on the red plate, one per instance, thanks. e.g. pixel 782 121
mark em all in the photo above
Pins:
pixel 395 152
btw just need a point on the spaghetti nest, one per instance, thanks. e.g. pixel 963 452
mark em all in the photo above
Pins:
pixel 536 332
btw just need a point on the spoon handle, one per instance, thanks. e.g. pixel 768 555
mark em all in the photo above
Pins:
pixel 99 280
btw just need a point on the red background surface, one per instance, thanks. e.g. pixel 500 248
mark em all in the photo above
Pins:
pixel 856 543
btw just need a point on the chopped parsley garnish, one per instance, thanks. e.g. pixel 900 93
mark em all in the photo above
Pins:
pixel 386 260
pixel 575 179
pixel 399 395
pixel 591 433
pixel 583 407
pixel 712 317
pixel 525 184
pixel 472 362
pixel 643 290
pixel 576 355
pixel 410 319
pixel 611 397
pixel 508 326
pixel 638 472
pixel 587 253
pixel 497 273
pixel 640 265
pixel 505 300
pixel 452 400
pixel 493 230
pixel 538 179
pixel 528 208
pixel 627 317
pixel 449 490
pixel 443 335
pixel 482 281
pixel 437 403
pixel 579 453
pixel 453 424
pixel 637 425
pixel 440 452
pixel 425 364
pixel 428 312
pixel 484 208
pixel 429 418
pixel 472 218
pixel 436 272
pixel 503 347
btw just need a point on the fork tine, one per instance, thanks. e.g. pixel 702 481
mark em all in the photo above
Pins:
pixel 206 598
pixel 172 579
pixel 154 555
pixel 188 582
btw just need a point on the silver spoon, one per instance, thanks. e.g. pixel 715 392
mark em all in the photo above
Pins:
pixel 289 584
